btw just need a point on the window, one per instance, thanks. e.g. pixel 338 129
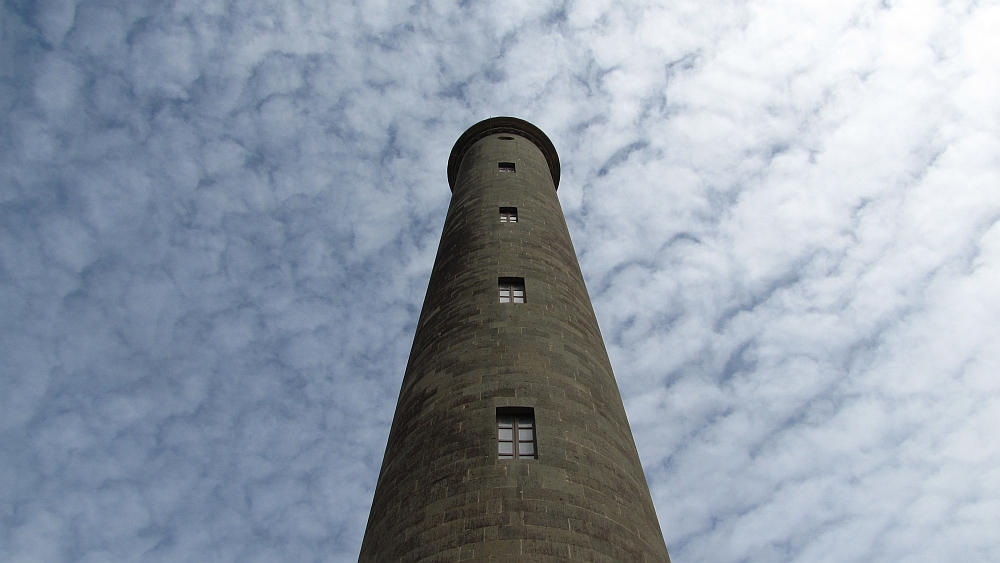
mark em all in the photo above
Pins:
pixel 511 290
pixel 508 215
pixel 506 138
pixel 506 166
pixel 516 433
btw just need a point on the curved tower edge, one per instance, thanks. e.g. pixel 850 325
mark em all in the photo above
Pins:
pixel 495 125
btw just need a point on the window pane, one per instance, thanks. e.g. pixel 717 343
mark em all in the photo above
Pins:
pixel 511 444
pixel 511 290
pixel 508 214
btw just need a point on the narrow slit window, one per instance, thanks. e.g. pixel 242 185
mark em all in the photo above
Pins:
pixel 508 215
pixel 516 433
pixel 511 290
pixel 506 166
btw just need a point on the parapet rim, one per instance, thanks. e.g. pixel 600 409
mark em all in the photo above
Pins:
pixel 496 125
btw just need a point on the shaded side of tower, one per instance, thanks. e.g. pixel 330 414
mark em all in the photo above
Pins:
pixel 510 440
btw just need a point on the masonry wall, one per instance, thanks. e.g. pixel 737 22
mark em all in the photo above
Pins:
pixel 443 494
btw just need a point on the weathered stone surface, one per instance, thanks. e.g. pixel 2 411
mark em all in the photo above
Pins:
pixel 443 494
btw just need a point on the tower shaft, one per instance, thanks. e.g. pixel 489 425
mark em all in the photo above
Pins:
pixel 508 359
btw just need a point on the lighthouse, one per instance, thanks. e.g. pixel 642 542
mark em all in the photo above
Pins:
pixel 509 441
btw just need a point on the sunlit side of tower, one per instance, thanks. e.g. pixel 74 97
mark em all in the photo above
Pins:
pixel 510 441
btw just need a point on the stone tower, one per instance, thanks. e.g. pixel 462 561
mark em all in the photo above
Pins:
pixel 510 441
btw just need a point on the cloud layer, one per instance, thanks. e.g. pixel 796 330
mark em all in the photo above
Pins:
pixel 217 222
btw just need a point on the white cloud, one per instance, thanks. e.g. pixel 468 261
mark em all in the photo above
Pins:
pixel 217 223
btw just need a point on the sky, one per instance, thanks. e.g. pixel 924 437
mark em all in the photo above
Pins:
pixel 218 220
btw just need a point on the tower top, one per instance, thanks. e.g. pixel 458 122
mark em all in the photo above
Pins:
pixel 495 125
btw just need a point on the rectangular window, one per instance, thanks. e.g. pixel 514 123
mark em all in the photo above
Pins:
pixel 506 166
pixel 508 215
pixel 511 290
pixel 516 433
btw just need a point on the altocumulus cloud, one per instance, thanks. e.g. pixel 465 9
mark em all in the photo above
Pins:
pixel 217 222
